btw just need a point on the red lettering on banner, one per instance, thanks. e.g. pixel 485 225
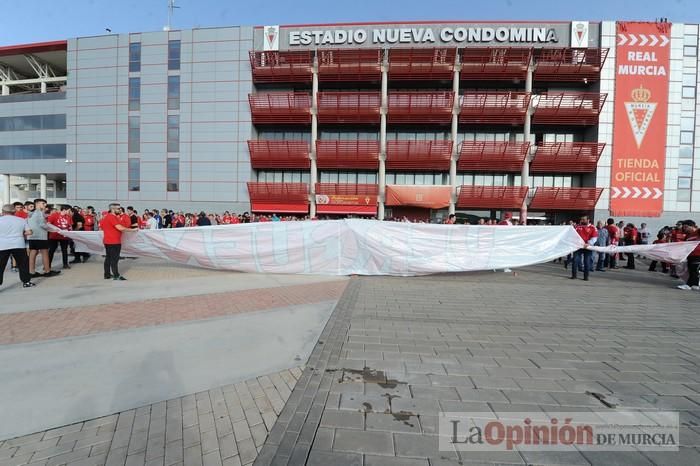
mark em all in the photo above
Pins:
pixel 641 112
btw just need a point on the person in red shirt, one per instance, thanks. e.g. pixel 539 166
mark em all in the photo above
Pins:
pixel 589 234
pixel 507 219
pixel 89 217
pixel 226 219
pixel 660 238
pixel 630 239
pixel 19 210
pixel 613 239
pixel 62 219
pixel 113 224
pixel 692 233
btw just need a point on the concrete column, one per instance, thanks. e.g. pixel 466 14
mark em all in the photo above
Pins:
pixel 313 177
pixel 42 186
pixel 5 90
pixel 43 87
pixel 455 132
pixel 5 179
pixel 382 139
pixel 525 171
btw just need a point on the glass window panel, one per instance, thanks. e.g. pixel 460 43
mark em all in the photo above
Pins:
pixel 135 57
pixel 683 183
pixel 683 195
pixel 690 51
pixel 173 54
pixel 134 94
pixel 687 124
pixel 342 177
pixel 686 137
pixel 305 177
pixel 134 175
pixel 688 92
pixel 173 92
pixel 134 134
pixel 173 133
pixel 685 152
pixel 689 79
pixel 173 175
pixel 362 178
pixel 400 178
pixel 685 170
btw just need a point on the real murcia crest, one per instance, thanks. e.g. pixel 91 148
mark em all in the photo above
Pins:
pixel 640 112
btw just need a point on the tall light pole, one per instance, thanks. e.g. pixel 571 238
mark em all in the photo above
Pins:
pixel 171 8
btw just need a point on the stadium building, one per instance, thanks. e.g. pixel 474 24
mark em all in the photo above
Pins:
pixel 547 120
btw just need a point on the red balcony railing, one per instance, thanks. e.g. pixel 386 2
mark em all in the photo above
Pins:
pixel 548 199
pixel 485 156
pixel 418 155
pixel 347 154
pixel 491 197
pixel 494 107
pixel 420 107
pixel 561 157
pixel 349 65
pixel 421 64
pixel 280 107
pixel 281 67
pixel 568 108
pixel 502 64
pixel 349 107
pixel 278 197
pixel 569 65
pixel 279 154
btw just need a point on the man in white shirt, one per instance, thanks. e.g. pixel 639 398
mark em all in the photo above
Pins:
pixel 151 223
pixel 13 231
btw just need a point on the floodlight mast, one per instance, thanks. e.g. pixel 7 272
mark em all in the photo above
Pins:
pixel 171 8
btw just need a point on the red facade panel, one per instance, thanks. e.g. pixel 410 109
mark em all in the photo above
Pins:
pixel 332 154
pixel 560 157
pixel 568 108
pixel 278 192
pixel 550 199
pixel 280 107
pixel 569 65
pixel 421 64
pixel 418 155
pixel 349 107
pixel 279 154
pixel 494 107
pixel 484 156
pixel 495 63
pixel 491 197
pixel 420 107
pixel 281 67
pixel 349 65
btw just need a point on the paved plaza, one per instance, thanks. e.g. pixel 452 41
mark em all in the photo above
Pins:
pixel 393 353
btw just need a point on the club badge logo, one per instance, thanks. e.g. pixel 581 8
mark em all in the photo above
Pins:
pixel 271 37
pixel 640 112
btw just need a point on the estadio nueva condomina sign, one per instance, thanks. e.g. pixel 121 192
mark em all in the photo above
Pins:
pixel 562 34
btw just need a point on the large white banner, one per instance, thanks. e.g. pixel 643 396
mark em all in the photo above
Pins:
pixel 361 247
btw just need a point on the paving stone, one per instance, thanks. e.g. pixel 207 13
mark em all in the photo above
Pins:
pixel 326 458
pixel 616 458
pixel 364 403
pixel 392 422
pixel 342 419
pixel 371 460
pixel 420 446
pixel 357 441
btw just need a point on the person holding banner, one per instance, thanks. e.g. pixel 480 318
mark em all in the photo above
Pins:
pixel 692 233
pixel 589 235
pixel 113 224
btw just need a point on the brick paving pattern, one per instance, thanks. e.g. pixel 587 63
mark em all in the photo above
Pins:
pixel 222 426
pixel 398 351
pixel 23 327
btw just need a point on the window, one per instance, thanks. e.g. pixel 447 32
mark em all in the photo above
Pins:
pixel 134 93
pixel 173 54
pixel 686 137
pixel 33 151
pixel 683 183
pixel 688 92
pixel 685 152
pixel 173 133
pixel 683 195
pixel 134 134
pixel 689 79
pixel 173 183
pixel 685 170
pixel 135 57
pixel 687 124
pixel 32 122
pixel 690 51
pixel 173 92
pixel 134 175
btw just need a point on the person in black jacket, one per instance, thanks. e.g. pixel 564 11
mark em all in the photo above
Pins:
pixel 203 220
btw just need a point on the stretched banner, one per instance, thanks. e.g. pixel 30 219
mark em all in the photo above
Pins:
pixel 641 110
pixel 356 247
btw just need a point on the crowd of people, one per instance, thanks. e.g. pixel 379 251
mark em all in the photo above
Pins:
pixel 33 218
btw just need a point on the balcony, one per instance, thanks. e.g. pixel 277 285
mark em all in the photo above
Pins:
pixel 421 64
pixel 569 65
pixel 279 154
pixel 495 64
pixel 342 198
pixel 280 108
pixel 560 157
pixel 550 199
pixel 494 107
pixel 356 155
pixel 281 198
pixel 281 67
pixel 418 155
pixel 492 156
pixel 349 65
pixel 420 107
pixel 568 108
pixel 349 107
pixel 491 197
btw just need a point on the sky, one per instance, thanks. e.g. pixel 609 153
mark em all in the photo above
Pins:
pixel 26 21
